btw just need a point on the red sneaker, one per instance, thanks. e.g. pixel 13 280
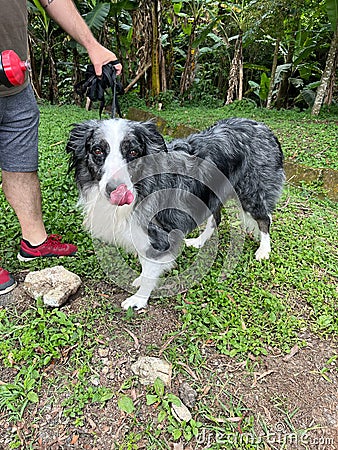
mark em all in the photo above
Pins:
pixel 7 282
pixel 51 247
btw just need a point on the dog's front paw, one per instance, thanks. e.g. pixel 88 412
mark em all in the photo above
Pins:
pixel 135 302
pixel 262 253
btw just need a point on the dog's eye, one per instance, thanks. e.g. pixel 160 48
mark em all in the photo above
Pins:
pixel 97 151
pixel 133 153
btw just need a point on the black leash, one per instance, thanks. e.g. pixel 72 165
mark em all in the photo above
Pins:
pixel 94 87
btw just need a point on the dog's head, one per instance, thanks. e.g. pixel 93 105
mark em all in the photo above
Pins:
pixel 106 153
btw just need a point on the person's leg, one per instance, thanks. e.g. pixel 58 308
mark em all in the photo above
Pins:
pixel 19 120
pixel 22 191
pixel 19 162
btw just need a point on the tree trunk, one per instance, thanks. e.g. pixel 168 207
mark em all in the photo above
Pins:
pixel 118 48
pixel 332 83
pixel 282 96
pixel 147 42
pixel 34 70
pixel 168 50
pixel 240 76
pixel 76 75
pixel 235 89
pixel 330 63
pixel 142 39
pixel 273 74
pixel 188 74
pixel 53 76
pixel 155 50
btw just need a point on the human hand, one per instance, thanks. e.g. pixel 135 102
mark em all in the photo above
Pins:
pixel 100 56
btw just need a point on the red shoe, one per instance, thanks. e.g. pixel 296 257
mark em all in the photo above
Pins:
pixel 7 282
pixel 51 247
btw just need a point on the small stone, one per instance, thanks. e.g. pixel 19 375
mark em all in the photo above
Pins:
pixel 94 380
pixel 103 352
pixel 181 413
pixel 54 285
pixel 149 368
pixel 105 370
pixel 178 446
pixel 187 394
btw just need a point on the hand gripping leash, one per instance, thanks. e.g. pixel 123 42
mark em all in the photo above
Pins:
pixel 94 87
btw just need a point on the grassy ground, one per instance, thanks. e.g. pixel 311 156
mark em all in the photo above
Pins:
pixel 65 374
pixel 305 139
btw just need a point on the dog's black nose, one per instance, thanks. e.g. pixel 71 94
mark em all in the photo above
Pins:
pixel 111 186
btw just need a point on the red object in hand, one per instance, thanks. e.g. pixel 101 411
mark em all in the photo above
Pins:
pixel 12 69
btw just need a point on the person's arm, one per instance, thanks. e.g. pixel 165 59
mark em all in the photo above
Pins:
pixel 65 13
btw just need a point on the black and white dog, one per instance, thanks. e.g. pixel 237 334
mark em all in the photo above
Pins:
pixel 145 195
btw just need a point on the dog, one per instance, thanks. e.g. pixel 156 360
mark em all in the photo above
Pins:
pixel 146 195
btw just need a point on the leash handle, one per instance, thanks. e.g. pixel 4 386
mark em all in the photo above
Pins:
pixel 94 87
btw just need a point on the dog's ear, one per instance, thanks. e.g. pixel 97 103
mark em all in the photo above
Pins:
pixel 78 138
pixel 152 139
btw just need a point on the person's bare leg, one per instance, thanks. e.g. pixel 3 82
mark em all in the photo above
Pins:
pixel 23 193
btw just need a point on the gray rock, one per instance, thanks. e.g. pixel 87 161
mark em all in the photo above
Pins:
pixel 188 395
pixel 181 413
pixel 149 368
pixel 54 285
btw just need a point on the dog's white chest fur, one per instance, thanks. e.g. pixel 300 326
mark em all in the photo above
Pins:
pixel 109 223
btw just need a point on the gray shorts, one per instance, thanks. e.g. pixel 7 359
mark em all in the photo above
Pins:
pixel 19 121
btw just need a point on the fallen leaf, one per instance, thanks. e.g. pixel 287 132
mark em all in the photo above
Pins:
pixel 231 298
pixel 293 352
pixel 133 394
pixel 206 390
pixel 178 446
pixel 74 440
pixel 103 352
pixel 11 359
pixel 260 376
pixel 234 419
pixel 136 341
pixel 91 422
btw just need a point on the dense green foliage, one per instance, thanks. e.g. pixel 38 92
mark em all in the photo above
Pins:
pixel 197 54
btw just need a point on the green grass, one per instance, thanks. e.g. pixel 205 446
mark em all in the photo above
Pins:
pixel 267 304
pixel 305 139
pixel 254 309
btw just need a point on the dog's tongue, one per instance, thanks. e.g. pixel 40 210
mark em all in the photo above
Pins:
pixel 121 196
